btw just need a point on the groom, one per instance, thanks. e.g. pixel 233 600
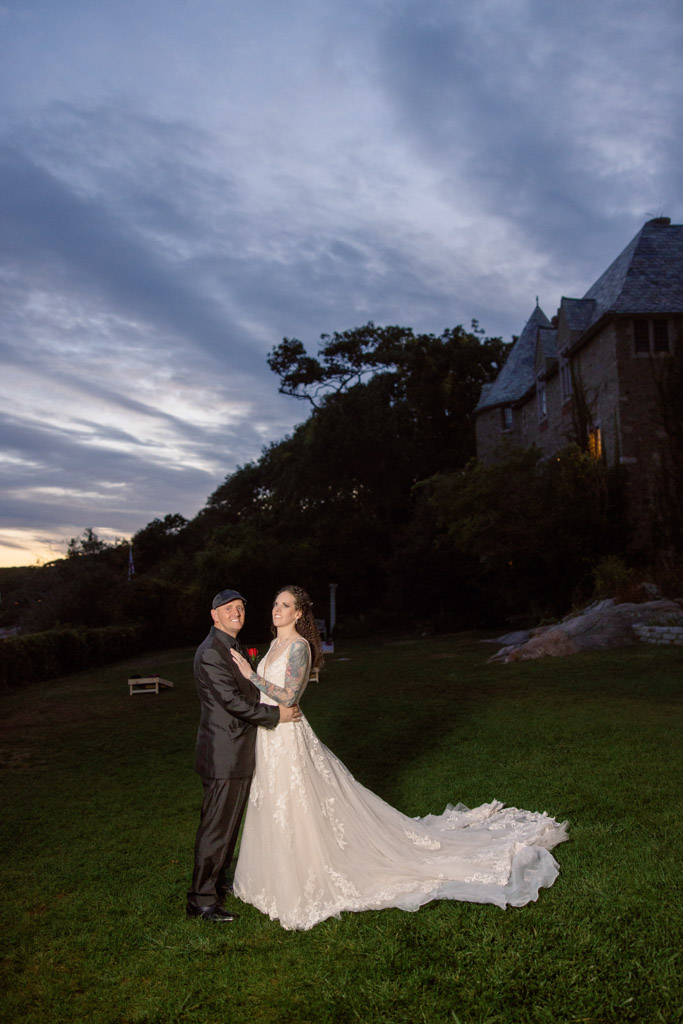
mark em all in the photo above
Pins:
pixel 225 754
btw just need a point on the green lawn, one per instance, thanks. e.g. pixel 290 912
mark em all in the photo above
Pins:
pixel 100 806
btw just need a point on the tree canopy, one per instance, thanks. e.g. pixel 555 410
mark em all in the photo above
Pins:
pixel 376 491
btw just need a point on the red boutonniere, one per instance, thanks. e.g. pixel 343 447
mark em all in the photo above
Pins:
pixel 252 652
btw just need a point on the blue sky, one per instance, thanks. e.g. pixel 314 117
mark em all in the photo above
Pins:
pixel 183 183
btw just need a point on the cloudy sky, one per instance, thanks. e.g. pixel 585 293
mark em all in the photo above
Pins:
pixel 183 183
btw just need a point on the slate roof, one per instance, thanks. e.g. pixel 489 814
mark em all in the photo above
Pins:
pixel 647 277
pixel 517 374
pixel 579 313
pixel 547 339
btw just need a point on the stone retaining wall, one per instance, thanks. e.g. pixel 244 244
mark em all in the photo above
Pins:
pixel 664 635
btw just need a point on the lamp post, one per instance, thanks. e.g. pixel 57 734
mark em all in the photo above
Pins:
pixel 333 608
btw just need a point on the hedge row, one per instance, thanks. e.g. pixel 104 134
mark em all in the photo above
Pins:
pixel 33 657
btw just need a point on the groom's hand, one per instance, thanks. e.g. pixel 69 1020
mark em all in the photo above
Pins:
pixel 290 714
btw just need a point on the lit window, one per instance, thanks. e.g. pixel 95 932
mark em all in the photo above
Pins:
pixel 595 442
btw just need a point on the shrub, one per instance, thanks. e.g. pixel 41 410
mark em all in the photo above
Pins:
pixel 611 576
pixel 33 657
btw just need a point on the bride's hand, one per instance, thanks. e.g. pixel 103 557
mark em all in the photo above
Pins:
pixel 242 663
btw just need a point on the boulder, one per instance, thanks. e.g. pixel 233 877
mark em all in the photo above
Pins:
pixel 599 626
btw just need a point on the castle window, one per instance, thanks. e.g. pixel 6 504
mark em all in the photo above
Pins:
pixel 650 336
pixel 542 400
pixel 641 336
pixel 565 377
pixel 660 335
pixel 595 442
pixel 506 417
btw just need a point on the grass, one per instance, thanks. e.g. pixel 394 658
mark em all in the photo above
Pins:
pixel 100 807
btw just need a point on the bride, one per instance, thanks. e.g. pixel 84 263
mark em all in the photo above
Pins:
pixel 316 842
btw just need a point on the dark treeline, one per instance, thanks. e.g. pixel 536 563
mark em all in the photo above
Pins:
pixel 376 491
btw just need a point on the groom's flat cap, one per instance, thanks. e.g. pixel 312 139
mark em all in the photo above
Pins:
pixel 225 596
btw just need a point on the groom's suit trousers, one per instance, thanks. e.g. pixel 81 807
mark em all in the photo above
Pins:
pixel 222 810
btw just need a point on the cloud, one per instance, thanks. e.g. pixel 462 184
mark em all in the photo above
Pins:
pixel 182 185
pixel 544 118
pixel 83 245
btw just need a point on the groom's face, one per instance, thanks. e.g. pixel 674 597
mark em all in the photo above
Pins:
pixel 229 617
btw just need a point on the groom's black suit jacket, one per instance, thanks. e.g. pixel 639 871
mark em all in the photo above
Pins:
pixel 230 711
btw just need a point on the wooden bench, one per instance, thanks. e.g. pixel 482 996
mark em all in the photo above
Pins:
pixel 148 684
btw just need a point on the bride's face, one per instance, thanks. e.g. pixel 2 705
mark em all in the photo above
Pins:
pixel 284 610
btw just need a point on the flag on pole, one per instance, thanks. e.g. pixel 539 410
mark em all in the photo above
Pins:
pixel 131 565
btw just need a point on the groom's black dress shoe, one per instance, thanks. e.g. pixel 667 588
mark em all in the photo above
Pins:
pixel 214 913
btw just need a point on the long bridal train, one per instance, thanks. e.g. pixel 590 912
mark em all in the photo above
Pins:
pixel 316 842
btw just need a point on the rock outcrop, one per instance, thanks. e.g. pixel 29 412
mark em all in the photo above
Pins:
pixel 600 626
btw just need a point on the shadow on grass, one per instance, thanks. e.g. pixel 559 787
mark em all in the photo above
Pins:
pixel 373 708
pixel 378 712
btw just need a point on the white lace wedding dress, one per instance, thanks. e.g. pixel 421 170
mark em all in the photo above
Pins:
pixel 316 842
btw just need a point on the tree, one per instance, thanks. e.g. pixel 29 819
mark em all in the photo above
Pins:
pixel 158 540
pixel 436 380
pixel 535 527
pixel 343 359
pixel 352 356
pixel 88 544
pixel 335 499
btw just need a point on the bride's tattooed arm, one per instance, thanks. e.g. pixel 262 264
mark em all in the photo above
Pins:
pixel 296 674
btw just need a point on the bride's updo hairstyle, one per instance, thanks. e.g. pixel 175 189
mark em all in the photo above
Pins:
pixel 306 624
